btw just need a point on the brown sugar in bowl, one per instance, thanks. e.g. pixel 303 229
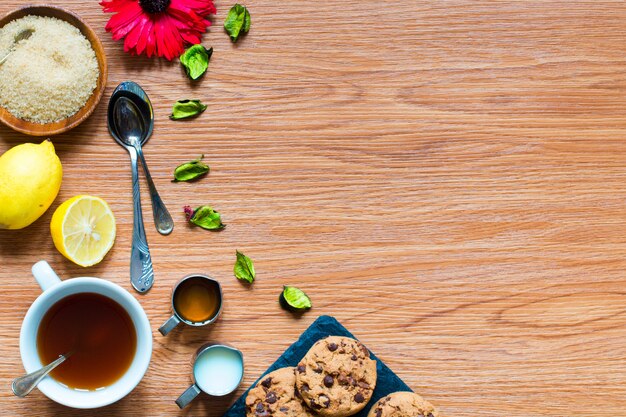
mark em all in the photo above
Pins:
pixel 61 126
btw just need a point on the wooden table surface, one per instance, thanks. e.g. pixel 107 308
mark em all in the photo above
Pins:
pixel 447 178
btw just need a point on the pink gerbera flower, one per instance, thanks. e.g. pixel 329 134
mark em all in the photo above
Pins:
pixel 158 27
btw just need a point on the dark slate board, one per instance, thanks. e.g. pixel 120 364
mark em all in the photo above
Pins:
pixel 324 326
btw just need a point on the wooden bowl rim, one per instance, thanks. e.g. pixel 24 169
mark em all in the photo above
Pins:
pixel 63 125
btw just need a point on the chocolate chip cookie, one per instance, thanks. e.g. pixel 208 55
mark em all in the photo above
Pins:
pixel 275 396
pixel 403 404
pixel 336 378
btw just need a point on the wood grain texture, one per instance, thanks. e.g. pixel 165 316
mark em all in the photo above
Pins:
pixel 446 178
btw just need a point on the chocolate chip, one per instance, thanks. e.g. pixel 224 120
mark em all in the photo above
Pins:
pixel 352 381
pixel 315 405
pixel 305 388
pixel 267 382
pixel 359 398
pixel 363 385
pixel 332 347
pixel 319 369
pixel 284 409
pixel 354 357
pixel 301 368
pixel 328 381
pixel 342 379
pixel 261 411
pixel 270 398
pixel 430 415
pixel 324 400
pixel 365 351
pixel 379 412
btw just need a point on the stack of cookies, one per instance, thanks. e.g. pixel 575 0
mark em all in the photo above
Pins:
pixel 336 378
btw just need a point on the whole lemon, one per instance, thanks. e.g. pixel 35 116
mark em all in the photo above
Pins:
pixel 30 179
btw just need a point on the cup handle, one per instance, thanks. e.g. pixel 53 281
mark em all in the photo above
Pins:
pixel 187 396
pixel 169 325
pixel 45 275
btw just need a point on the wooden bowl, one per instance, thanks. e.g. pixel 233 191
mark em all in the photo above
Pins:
pixel 54 128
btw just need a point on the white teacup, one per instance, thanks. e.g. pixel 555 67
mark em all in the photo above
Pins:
pixel 53 290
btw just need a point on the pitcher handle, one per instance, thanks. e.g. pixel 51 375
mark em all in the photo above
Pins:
pixel 187 396
pixel 45 275
pixel 169 325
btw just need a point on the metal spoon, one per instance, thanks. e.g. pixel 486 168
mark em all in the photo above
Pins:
pixel 21 36
pixel 124 123
pixel 23 385
pixel 142 106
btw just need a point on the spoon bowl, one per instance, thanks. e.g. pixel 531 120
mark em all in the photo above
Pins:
pixel 128 122
pixel 22 36
pixel 142 106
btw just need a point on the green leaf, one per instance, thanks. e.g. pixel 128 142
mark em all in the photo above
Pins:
pixel 246 21
pixel 294 299
pixel 244 268
pixel 237 22
pixel 184 109
pixel 191 170
pixel 205 217
pixel 196 60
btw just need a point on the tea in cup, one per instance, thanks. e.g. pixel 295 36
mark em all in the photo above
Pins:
pixel 102 327
pixel 196 301
pixel 98 334
pixel 217 371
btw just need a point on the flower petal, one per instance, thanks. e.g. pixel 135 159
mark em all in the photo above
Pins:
pixel 201 7
pixel 143 37
pixel 133 36
pixel 121 23
pixel 114 5
pixel 151 44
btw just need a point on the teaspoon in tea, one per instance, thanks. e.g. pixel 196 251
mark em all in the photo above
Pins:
pixel 23 385
pixel 21 36
pixel 124 123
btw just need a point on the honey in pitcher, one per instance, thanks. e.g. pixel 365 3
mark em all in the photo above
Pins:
pixel 197 299
pixel 98 331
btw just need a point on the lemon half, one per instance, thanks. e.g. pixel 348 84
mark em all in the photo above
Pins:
pixel 83 229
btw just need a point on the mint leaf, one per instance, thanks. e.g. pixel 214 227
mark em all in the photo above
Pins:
pixel 294 299
pixel 204 217
pixel 196 60
pixel 237 22
pixel 191 170
pixel 244 268
pixel 184 109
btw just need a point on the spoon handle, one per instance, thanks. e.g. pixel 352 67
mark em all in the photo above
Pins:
pixel 162 218
pixel 141 272
pixel 23 385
